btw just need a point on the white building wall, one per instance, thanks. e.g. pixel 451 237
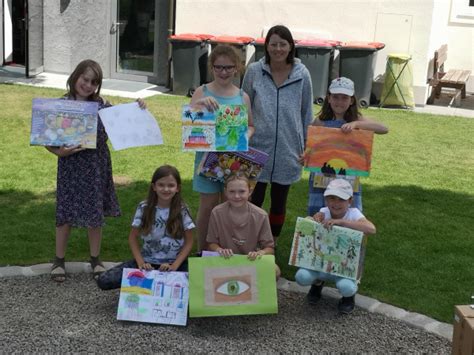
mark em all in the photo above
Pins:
pixel 439 25
pixel 8 31
pixel 461 50
pixel 80 31
pixel 1 37
pixel 453 24
pixel 460 38
pixel 410 26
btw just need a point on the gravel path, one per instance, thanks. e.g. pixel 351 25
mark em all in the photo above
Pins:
pixel 37 315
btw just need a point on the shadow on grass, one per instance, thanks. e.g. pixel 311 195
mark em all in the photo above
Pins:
pixel 421 256
pixel 420 259
pixel 28 226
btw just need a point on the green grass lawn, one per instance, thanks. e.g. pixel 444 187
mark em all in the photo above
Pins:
pixel 419 195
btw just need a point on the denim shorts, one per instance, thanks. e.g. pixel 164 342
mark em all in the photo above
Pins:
pixel 202 184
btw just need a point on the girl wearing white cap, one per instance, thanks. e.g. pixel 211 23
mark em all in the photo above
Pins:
pixel 338 198
pixel 340 110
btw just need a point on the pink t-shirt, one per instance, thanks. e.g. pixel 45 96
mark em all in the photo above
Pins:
pixel 252 235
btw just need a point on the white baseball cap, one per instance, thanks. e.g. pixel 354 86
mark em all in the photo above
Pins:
pixel 340 188
pixel 342 85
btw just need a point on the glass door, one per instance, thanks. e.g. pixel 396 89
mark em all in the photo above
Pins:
pixel 34 37
pixel 133 40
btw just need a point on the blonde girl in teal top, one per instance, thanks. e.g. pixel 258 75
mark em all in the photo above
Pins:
pixel 225 65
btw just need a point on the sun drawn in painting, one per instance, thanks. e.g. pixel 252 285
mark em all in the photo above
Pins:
pixel 330 151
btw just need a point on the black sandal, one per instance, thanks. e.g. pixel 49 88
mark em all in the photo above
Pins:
pixel 58 270
pixel 97 267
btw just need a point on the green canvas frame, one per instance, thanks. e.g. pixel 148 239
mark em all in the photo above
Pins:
pixel 265 282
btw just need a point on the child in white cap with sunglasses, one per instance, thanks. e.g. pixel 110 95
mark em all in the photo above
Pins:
pixel 338 197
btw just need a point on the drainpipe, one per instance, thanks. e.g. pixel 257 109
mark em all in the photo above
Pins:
pixel 171 29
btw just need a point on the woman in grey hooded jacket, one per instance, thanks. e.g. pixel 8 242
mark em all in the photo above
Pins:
pixel 279 87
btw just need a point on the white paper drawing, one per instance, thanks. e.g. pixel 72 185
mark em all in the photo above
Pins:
pixel 128 126
pixel 154 297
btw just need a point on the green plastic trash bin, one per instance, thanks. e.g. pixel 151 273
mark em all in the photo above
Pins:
pixel 317 55
pixel 259 45
pixel 357 62
pixel 397 88
pixel 189 61
pixel 240 44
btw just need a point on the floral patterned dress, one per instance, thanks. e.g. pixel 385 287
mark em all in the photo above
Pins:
pixel 85 189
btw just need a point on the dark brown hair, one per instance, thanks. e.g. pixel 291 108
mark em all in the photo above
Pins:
pixel 81 69
pixel 174 225
pixel 327 114
pixel 285 34
pixel 222 50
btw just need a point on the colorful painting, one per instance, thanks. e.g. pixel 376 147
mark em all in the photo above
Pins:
pixel 154 297
pixel 225 129
pixel 339 251
pixel 233 286
pixel 58 122
pixel 128 126
pixel 218 166
pixel 330 151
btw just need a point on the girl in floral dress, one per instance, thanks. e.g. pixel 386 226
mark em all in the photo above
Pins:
pixel 85 189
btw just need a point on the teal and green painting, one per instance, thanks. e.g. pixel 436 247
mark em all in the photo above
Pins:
pixel 225 129
pixel 339 251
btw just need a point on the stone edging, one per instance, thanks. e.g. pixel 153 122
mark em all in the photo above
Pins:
pixel 418 320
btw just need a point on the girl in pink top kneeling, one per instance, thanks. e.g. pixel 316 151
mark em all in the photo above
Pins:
pixel 238 226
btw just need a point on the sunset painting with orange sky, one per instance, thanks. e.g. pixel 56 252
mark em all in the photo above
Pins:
pixel 329 150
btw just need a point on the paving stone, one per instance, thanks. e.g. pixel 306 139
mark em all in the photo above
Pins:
pixel 26 271
pixel 284 284
pixel 331 292
pixel 442 329
pixel 40 269
pixel 76 267
pixel 367 303
pixel 417 319
pixel 390 311
pixel 109 265
pixel 10 271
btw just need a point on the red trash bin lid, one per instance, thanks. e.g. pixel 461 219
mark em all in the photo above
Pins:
pixel 362 45
pixel 317 43
pixel 188 37
pixel 204 36
pixel 191 37
pixel 232 40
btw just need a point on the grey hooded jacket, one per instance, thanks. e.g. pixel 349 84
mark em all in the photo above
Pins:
pixel 281 117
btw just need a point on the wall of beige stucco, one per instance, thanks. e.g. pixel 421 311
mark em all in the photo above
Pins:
pixel 413 27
